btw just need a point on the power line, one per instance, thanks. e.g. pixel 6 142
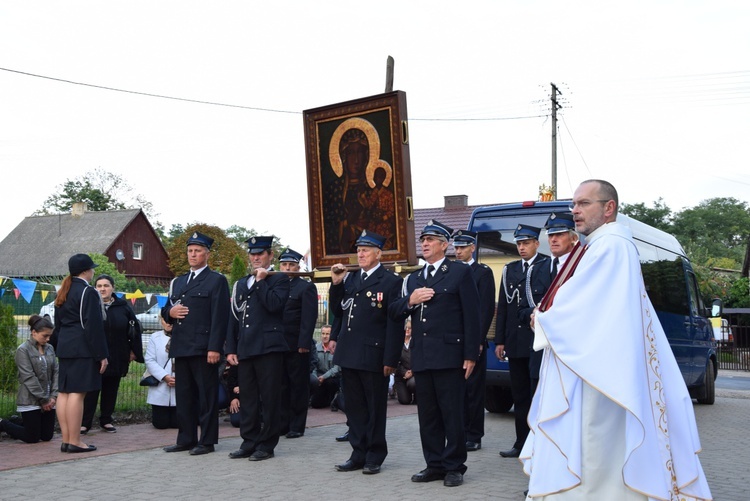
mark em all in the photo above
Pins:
pixel 254 108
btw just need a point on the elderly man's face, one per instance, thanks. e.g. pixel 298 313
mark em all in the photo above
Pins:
pixel 433 248
pixel 561 243
pixel 367 257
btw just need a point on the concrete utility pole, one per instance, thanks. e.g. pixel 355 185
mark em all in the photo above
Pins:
pixel 555 106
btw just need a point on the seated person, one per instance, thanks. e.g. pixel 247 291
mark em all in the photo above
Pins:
pixel 404 383
pixel 161 397
pixel 37 385
pixel 324 380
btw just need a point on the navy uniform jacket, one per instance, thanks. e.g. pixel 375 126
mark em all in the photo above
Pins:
pixel 539 281
pixel 506 327
pixel 445 330
pixel 73 340
pixel 536 285
pixel 485 281
pixel 300 314
pixel 256 324
pixel 368 338
pixel 205 326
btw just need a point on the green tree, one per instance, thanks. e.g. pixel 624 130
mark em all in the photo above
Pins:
pixel 101 190
pixel 223 250
pixel 239 270
pixel 715 228
pixel 240 233
pixel 658 216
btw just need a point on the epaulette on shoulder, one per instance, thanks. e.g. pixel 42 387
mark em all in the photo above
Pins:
pixel 484 265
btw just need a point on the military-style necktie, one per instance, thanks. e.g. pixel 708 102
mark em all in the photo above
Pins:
pixel 428 277
pixel 555 262
pixel 525 267
pixel 191 277
pixel 364 276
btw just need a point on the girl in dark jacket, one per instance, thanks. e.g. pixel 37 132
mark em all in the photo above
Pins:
pixel 124 346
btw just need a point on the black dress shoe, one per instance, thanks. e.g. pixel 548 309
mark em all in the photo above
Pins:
pixel 63 447
pixel 343 438
pixel 473 446
pixel 453 479
pixel 178 448
pixel 293 434
pixel 513 453
pixel 260 456
pixel 371 469
pixel 75 448
pixel 427 475
pixel 241 453
pixel 200 449
pixel 349 465
pixel 109 428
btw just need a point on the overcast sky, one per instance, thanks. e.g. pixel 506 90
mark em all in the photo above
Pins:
pixel 656 99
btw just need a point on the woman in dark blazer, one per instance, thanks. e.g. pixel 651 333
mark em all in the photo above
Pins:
pixel 123 345
pixel 81 348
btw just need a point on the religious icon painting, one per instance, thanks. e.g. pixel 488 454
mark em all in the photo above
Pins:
pixel 358 178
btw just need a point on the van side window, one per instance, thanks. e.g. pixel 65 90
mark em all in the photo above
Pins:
pixel 665 284
pixel 696 305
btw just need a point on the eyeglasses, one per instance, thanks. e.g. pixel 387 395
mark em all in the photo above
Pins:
pixel 584 203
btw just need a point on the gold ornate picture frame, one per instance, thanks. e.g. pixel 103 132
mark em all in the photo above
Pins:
pixel 359 178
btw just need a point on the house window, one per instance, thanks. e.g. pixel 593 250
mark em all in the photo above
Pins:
pixel 138 251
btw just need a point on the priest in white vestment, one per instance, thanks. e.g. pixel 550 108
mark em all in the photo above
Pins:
pixel 611 418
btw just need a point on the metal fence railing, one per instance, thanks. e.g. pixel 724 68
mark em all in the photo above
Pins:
pixel 131 398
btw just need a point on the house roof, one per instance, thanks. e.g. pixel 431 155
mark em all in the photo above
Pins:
pixel 41 245
pixel 455 217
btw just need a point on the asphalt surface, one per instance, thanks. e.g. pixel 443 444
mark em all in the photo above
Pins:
pixel 130 464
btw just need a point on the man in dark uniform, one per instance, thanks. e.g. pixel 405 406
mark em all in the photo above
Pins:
pixel 464 242
pixel 255 341
pixel 300 314
pixel 562 238
pixel 443 303
pixel 198 311
pixel 368 347
pixel 512 338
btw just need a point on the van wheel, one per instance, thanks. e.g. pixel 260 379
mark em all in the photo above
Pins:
pixel 497 399
pixel 708 391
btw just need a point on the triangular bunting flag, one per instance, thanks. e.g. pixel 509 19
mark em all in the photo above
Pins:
pixel 26 287
pixel 162 300
pixel 44 295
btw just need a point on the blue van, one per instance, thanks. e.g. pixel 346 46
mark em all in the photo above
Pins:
pixel 670 282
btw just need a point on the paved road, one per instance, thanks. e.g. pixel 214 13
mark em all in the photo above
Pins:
pixel 303 468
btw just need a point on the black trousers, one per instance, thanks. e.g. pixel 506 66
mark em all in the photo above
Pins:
pixel 474 405
pixel 405 390
pixel 110 387
pixel 37 425
pixel 164 416
pixel 520 388
pixel 322 393
pixel 440 404
pixel 366 407
pixel 259 379
pixel 197 394
pixel 295 391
